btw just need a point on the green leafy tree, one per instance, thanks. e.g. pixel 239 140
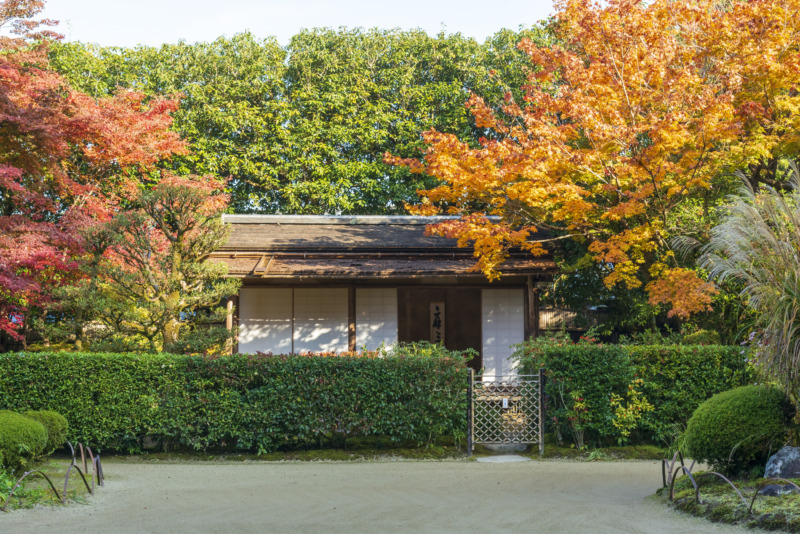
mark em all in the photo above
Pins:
pixel 232 104
pixel 303 129
pixel 149 276
pixel 355 94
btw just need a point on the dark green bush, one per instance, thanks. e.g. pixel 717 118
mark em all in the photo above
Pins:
pixel 21 439
pixel 702 337
pixel 248 402
pixel 738 429
pixel 56 426
pixel 673 379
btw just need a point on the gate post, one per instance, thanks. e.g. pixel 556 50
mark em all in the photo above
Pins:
pixel 470 422
pixel 542 417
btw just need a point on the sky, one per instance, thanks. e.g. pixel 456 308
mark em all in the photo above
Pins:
pixel 154 22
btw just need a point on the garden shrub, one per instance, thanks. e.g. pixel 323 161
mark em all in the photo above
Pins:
pixel 738 429
pixel 651 337
pixel 247 402
pixel 203 339
pixel 21 439
pixel 702 337
pixel 56 426
pixel 611 394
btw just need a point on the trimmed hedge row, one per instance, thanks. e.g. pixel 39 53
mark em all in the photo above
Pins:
pixel 246 402
pixel 678 378
pixel 605 393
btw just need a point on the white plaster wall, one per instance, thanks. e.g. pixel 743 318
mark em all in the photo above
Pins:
pixel 320 319
pixel 503 318
pixel 265 320
pixel 376 317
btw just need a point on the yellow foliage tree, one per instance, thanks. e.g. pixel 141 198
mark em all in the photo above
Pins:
pixel 639 107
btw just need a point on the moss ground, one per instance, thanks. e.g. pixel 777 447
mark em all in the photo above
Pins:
pixel 720 503
pixel 379 449
pixel 552 452
pixel 632 452
pixel 36 491
pixel 349 455
pixel 353 450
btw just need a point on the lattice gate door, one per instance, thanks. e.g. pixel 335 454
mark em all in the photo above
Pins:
pixel 506 409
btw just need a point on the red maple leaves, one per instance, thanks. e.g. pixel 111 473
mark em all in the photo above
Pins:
pixel 65 160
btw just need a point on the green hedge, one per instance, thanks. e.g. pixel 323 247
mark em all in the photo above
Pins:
pixel 657 387
pixel 678 378
pixel 247 402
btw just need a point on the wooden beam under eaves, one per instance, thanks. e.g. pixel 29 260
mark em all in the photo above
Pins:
pixel 263 271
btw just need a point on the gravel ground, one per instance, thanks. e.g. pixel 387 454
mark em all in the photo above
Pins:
pixel 374 497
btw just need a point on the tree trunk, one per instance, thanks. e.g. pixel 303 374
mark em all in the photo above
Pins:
pixel 170 333
pixel 152 343
pixel 172 326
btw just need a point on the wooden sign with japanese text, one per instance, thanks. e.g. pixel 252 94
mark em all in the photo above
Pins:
pixel 437 322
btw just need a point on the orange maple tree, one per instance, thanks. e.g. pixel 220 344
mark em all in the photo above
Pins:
pixel 637 108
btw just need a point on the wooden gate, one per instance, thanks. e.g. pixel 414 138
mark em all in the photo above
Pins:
pixel 505 410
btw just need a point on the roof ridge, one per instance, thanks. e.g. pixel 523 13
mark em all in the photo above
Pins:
pixel 335 219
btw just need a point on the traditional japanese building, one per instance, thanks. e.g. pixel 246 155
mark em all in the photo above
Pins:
pixel 338 283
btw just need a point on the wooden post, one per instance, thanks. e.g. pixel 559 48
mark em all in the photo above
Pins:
pixel 351 318
pixel 229 315
pixel 528 311
pixel 470 421
pixel 542 411
pixel 232 321
pixel 532 310
pixel 229 306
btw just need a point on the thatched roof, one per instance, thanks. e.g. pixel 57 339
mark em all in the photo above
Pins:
pixel 286 246
pixel 311 232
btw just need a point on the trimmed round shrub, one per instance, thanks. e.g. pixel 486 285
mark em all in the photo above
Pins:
pixel 21 439
pixel 737 430
pixel 56 426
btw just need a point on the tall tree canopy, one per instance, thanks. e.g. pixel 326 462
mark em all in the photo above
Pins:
pixel 302 129
pixel 637 114
pixel 65 159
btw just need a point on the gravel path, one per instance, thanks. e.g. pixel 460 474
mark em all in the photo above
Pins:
pixel 374 497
